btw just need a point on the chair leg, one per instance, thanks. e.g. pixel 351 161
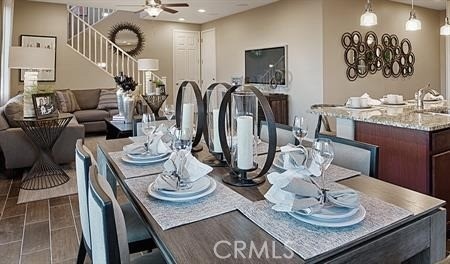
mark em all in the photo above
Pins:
pixel 81 252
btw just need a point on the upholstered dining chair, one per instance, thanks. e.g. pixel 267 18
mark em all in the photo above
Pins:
pixel 138 236
pixel 108 229
pixel 355 155
pixel 284 134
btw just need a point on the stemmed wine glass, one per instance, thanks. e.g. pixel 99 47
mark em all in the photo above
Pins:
pixel 323 154
pixel 148 127
pixel 169 111
pixel 300 131
pixel 182 142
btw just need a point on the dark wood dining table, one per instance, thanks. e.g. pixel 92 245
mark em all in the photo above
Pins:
pixel 419 238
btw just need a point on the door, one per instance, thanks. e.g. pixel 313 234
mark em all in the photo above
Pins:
pixel 208 58
pixel 186 58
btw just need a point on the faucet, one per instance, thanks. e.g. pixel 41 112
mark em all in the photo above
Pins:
pixel 421 94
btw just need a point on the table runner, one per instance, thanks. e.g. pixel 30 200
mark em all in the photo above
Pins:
pixel 169 214
pixel 309 241
pixel 132 171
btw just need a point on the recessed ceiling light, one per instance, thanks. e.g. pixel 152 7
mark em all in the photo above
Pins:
pixel 180 19
pixel 201 10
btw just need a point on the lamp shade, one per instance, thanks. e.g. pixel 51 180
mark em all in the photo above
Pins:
pixel 413 24
pixel 368 19
pixel 148 64
pixel 445 29
pixel 31 58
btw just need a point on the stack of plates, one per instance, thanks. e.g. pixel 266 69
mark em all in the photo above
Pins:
pixel 333 216
pixel 200 188
pixel 138 156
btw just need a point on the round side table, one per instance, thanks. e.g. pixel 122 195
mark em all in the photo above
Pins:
pixel 44 173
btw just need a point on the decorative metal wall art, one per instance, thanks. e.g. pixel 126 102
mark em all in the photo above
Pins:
pixel 128 37
pixel 370 55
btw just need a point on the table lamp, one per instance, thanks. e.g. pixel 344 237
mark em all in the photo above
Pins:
pixel 147 66
pixel 31 60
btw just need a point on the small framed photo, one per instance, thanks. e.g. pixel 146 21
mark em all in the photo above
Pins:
pixel 45 105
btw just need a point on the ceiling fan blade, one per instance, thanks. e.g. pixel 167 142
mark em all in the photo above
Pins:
pixel 177 5
pixel 169 10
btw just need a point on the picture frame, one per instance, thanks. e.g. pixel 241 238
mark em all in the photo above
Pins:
pixel 37 41
pixel 45 105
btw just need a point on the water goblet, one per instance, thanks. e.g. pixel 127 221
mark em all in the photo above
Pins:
pixel 300 131
pixel 148 127
pixel 323 154
pixel 169 111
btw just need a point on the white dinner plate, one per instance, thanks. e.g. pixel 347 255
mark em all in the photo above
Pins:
pixel 343 222
pixel 402 103
pixel 198 186
pixel 332 212
pixel 432 100
pixel 158 195
pixel 129 160
pixel 360 107
pixel 148 156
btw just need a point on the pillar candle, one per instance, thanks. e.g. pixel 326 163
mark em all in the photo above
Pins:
pixel 245 142
pixel 217 146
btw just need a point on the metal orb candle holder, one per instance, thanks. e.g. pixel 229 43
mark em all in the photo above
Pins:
pixel 212 100
pixel 242 135
pixel 186 118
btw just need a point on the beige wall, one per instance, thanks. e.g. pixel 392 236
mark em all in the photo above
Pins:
pixel 72 70
pixel 343 16
pixel 296 23
pixel 158 40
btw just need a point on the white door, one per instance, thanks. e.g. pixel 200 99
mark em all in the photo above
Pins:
pixel 208 58
pixel 186 58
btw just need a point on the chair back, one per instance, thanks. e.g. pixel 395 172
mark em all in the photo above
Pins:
pixel 108 230
pixel 355 155
pixel 83 161
pixel 284 134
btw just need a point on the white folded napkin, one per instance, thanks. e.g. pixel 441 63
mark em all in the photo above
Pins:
pixel 292 157
pixel 370 100
pixel 291 193
pixel 191 170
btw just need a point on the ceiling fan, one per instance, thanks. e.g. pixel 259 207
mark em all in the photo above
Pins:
pixel 155 7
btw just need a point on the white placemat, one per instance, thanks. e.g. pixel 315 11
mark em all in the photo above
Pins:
pixel 169 214
pixel 131 171
pixel 309 241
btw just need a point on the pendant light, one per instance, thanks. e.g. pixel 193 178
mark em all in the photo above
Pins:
pixel 445 29
pixel 369 18
pixel 413 24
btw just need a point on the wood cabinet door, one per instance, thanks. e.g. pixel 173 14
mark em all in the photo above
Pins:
pixel 441 178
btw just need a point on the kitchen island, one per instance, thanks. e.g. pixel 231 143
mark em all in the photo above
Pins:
pixel 414 144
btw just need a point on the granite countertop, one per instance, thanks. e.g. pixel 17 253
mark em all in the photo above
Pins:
pixel 406 116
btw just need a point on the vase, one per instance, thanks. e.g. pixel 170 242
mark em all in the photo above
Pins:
pixel 128 107
pixel 119 95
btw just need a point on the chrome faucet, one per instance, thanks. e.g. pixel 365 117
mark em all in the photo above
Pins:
pixel 421 94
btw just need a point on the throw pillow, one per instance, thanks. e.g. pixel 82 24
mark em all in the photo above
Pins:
pixel 67 101
pixel 14 110
pixel 108 100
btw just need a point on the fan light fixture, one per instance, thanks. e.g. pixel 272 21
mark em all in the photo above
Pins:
pixel 369 18
pixel 413 24
pixel 154 11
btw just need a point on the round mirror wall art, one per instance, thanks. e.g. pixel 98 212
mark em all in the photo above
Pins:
pixel 127 37
pixel 364 55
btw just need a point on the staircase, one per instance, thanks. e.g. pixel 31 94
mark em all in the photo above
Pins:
pixel 92 45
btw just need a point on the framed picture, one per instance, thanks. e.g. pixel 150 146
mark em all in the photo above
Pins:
pixel 45 105
pixel 48 42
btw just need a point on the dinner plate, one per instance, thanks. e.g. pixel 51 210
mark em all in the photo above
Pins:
pixel 129 160
pixel 198 186
pixel 161 196
pixel 432 100
pixel 147 156
pixel 402 103
pixel 342 222
pixel 360 107
pixel 332 212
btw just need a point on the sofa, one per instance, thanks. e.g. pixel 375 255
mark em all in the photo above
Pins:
pixel 17 149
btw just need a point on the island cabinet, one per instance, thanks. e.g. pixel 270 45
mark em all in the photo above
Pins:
pixel 415 159
pixel 280 107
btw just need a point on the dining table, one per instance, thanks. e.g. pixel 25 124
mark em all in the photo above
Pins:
pixel 252 236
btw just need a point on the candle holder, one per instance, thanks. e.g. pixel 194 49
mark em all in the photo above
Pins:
pixel 186 102
pixel 242 135
pixel 212 99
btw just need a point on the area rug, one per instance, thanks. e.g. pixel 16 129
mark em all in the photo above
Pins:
pixel 67 188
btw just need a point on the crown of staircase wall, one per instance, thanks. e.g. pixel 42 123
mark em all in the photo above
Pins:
pixel 92 45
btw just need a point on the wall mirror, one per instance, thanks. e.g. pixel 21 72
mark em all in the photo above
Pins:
pixel 127 37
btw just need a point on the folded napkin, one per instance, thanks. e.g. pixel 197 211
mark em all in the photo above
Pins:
pixel 370 100
pixel 299 194
pixel 292 157
pixel 191 168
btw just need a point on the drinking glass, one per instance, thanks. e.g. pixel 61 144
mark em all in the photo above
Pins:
pixel 182 142
pixel 148 126
pixel 169 111
pixel 300 129
pixel 323 154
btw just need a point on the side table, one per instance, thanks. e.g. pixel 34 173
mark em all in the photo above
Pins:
pixel 44 173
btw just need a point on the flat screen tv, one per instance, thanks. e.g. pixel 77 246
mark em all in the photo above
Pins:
pixel 266 66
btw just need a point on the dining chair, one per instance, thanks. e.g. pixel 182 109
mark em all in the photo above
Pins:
pixel 138 236
pixel 108 226
pixel 284 134
pixel 355 155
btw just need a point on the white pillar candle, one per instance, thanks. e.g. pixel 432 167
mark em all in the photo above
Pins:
pixel 245 142
pixel 187 120
pixel 217 146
